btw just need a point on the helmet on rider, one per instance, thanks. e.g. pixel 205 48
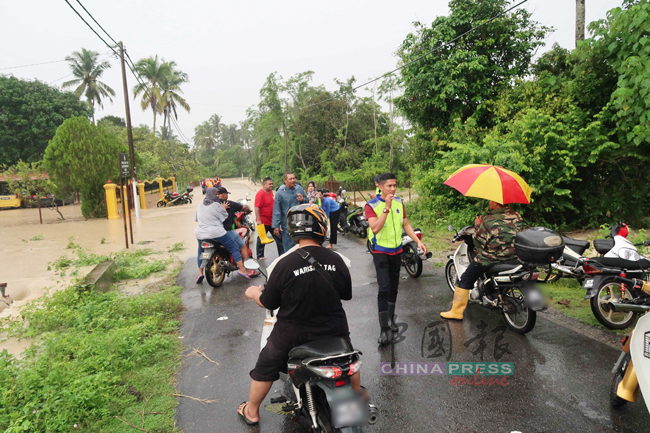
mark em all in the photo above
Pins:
pixel 307 221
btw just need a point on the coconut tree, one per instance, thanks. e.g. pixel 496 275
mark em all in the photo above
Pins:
pixel 171 91
pixel 154 72
pixel 207 134
pixel 87 69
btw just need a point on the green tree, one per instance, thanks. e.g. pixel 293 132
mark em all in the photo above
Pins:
pixel 82 157
pixel 154 72
pixel 171 91
pixel 460 78
pixel 30 113
pixel 88 70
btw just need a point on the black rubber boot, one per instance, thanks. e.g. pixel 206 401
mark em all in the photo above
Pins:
pixel 391 317
pixel 386 334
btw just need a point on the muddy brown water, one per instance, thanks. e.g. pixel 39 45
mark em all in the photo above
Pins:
pixel 24 264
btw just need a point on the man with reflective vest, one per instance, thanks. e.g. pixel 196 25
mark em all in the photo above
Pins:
pixel 386 216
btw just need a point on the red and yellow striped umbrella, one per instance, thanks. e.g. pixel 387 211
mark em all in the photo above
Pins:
pixel 490 182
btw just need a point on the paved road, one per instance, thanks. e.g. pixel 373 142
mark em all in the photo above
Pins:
pixel 560 383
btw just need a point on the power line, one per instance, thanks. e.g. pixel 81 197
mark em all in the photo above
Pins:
pixel 33 64
pixel 90 27
pixel 417 59
pixel 93 18
pixel 66 76
pixel 183 136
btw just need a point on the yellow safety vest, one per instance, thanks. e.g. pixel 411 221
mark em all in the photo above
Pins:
pixel 389 238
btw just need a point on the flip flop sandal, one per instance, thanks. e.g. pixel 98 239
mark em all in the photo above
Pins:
pixel 244 275
pixel 240 412
pixel 255 273
pixel 200 279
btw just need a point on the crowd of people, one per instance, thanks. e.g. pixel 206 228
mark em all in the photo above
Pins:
pixel 309 282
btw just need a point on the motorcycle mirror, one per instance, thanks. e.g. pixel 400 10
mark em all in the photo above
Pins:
pixel 450 228
pixel 247 194
pixel 251 264
pixel 343 192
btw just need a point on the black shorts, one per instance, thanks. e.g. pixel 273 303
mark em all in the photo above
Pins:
pixel 273 358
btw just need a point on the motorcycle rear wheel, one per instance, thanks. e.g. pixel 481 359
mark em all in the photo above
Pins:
pixel 609 289
pixel 411 261
pixel 450 275
pixel 369 246
pixel 160 204
pixel 214 273
pixel 614 400
pixel 363 233
pixel 518 318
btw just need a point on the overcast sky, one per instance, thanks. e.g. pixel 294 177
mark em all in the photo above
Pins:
pixel 228 48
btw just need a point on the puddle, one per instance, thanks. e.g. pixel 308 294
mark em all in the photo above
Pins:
pixel 24 264
pixel 14 346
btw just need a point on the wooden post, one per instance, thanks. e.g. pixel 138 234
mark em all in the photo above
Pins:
pixel 124 210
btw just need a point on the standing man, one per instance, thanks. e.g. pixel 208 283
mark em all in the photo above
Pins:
pixel 288 195
pixel 386 217
pixel 228 223
pixel 264 216
pixel 377 190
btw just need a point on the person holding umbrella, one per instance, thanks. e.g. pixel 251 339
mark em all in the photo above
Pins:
pixel 495 232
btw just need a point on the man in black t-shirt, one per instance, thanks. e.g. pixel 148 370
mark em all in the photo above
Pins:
pixel 235 207
pixel 310 306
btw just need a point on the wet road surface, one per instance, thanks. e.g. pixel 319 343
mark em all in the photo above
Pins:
pixel 560 383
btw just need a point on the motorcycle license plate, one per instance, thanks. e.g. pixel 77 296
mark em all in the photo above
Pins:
pixel 206 256
pixel 349 412
pixel 589 283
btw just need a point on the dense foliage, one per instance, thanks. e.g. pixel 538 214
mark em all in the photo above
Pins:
pixel 82 157
pixel 574 125
pixel 30 113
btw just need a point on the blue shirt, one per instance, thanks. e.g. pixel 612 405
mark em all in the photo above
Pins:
pixel 329 205
pixel 285 199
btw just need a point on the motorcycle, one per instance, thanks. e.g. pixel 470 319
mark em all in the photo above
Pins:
pixel 174 198
pixel 570 264
pixel 412 256
pixel 351 220
pixel 317 386
pixel 217 261
pixel 631 370
pixel 604 286
pixel 249 218
pixel 507 287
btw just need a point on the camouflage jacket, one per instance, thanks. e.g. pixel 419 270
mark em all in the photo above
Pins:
pixel 494 238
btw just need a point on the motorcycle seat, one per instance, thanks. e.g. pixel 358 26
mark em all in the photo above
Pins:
pixel 576 245
pixel 404 231
pixel 617 262
pixel 603 245
pixel 321 348
pixel 505 266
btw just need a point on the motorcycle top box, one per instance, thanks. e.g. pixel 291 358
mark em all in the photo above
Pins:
pixel 539 246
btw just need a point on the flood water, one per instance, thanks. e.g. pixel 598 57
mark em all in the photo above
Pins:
pixel 24 264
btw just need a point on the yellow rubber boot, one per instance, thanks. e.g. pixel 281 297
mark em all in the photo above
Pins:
pixel 261 232
pixel 458 307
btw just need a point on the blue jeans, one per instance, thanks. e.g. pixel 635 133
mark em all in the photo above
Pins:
pixel 287 242
pixel 227 241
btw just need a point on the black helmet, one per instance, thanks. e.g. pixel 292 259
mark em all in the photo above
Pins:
pixel 307 221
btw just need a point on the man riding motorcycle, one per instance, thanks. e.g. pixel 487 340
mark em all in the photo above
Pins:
pixel 494 238
pixel 310 304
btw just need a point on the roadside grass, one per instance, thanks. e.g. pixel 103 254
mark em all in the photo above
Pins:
pixel 102 362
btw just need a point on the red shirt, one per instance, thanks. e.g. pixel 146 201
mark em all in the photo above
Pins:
pixel 370 213
pixel 264 201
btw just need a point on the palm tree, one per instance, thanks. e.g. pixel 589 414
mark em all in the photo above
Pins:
pixel 154 72
pixel 208 133
pixel 171 91
pixel 86 67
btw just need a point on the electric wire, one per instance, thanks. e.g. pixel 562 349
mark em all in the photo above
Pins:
pixel 33 64
pixel 180 132
pixel 100 26
pixel 69 75
pixel 91 28
pixel 417 59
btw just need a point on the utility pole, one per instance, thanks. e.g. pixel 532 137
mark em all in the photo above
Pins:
pixel 580 21
pixel 134 180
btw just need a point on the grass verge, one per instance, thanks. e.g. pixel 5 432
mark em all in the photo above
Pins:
pixel 103 362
